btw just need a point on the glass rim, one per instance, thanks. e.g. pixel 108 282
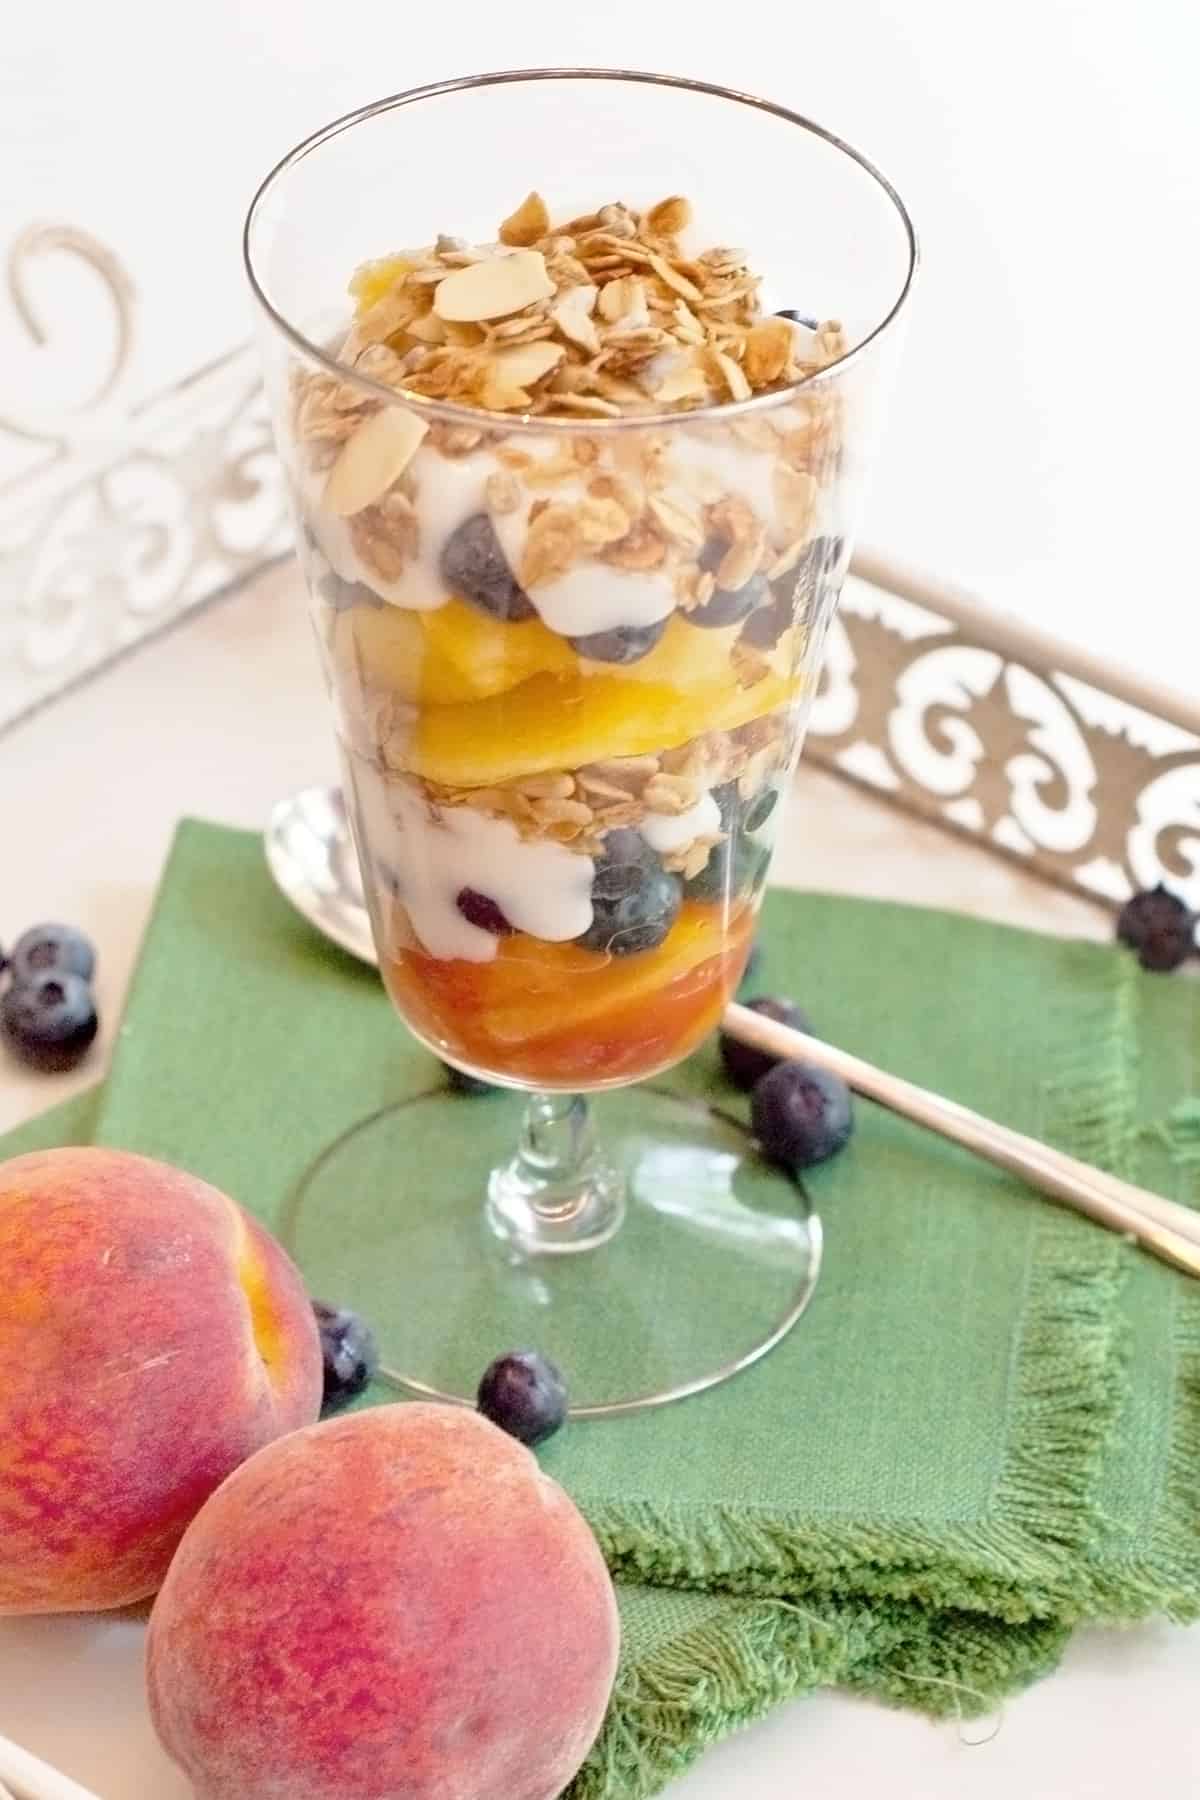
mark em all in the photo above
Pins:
pixel 450 412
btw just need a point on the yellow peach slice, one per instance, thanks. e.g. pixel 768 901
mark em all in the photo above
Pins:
pixel 374 279
pixel 562 721
pixel 528 996
pixel 492 655
pixel 392 654
pixel 448 657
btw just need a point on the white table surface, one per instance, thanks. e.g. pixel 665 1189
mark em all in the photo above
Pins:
pixel 221 717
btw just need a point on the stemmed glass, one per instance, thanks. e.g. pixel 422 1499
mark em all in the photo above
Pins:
pixel 571 650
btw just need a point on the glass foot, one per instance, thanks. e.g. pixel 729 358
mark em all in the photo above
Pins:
pixel 705 1260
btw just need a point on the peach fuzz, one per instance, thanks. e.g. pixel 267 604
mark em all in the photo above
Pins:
pixel 152 1337
pixel 394 1603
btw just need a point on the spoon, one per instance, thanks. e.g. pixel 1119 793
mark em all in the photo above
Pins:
pixel 24 1776
pixel 310 852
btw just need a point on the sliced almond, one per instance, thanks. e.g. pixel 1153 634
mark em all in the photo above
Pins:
pixel 686 325
pixel 624 393
pixel 590 403
pixel 530 222
pixel 686 383
pixel 732 375
pixel 663 269
pixel 625 299
pixel 523 364
pixel 493 289
pixel 670 216
pixel 429 330
pixel 369 462
pixel 637 309
pixel 611 303
pixel 572 315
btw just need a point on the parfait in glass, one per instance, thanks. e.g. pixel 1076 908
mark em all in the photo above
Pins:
pixel 575 481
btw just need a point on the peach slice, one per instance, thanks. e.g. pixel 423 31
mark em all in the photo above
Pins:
pixel 563 721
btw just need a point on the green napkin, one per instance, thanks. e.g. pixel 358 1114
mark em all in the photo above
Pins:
pixel 986 1428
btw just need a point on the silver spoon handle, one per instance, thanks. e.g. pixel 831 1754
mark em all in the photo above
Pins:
pixel 27 1777
pixel 1171 1231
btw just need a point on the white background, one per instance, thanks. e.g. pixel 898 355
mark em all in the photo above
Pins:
pixel 1043 440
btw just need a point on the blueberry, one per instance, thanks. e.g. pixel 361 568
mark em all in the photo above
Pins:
pixel 524 1394
pixel 742 1063
pixel 716 880
pixel 623 644
pixel 729 804
pixel 1159 926
pixel 50 1018
pixel 474 565
pixel 46 947
pixel 798 318
pixel 348 1352
pixel 795 594
pixel 744 815
pixel 634 901
pixel 480 909
pixel 767 624
pixel 760 809
pixel 725 606
pixel 462 1083
pixel 801 1115
pixel 734 866
pixel 622 865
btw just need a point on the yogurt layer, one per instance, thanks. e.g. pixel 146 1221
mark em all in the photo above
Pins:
pixel 540 887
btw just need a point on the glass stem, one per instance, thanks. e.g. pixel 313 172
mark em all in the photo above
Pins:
pixel 559 1193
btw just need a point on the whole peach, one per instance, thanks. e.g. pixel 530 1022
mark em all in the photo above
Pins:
pixel 152 1337
pixel 394 1605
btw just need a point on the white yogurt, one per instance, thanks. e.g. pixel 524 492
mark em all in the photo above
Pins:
pixel 667 832
pixel 708 469
pixel 592 596
pixel 540 887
